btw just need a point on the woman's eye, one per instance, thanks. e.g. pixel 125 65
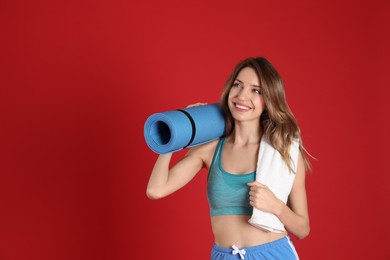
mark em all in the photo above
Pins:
pixel 257 91
pixel 236 84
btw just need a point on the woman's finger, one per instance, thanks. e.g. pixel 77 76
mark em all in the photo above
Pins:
pixel 197 104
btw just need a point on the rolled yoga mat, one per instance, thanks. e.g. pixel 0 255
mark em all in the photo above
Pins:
pixel 174 130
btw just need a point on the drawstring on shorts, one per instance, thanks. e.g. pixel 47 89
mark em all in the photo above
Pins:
pixel 236 251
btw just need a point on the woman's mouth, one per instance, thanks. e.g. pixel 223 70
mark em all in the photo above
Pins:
pixel 242 107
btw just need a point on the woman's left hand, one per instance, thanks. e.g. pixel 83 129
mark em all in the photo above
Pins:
pixel 262 198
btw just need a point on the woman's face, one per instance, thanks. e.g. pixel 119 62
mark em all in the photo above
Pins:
pixel 245 100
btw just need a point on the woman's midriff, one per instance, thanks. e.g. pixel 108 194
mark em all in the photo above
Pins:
pixel 231 230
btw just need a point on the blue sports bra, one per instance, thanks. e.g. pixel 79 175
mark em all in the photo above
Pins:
pixel 227 193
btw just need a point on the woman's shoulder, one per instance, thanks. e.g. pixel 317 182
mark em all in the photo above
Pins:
pixel 206 147
pixel 204 151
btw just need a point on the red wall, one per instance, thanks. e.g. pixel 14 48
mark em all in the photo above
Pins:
pixel 79 78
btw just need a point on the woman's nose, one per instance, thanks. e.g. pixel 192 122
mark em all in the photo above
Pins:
pixel 243 94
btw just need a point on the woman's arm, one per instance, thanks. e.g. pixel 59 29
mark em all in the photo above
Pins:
pixel 164 181
pixel 294 217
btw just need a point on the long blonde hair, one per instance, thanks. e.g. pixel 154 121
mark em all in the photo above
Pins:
pixel 277 122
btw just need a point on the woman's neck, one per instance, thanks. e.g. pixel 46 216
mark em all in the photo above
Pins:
pixel 246 133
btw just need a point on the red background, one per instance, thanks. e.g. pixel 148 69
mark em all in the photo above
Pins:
pixel 79 78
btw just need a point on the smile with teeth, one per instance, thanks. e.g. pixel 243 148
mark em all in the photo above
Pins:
pixel 240 106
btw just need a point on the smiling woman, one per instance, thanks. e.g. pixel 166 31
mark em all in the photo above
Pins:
pixel 255 109
pixel 245 99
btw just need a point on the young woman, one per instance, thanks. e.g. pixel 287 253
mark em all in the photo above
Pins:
pixel 254 104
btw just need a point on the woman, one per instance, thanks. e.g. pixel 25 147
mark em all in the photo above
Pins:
pixel 254 105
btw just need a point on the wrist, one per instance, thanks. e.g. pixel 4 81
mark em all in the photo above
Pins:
pixel 279 208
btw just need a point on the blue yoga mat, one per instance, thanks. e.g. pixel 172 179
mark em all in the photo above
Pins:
pixel 174 130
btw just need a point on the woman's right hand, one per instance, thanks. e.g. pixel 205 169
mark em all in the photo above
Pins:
pixel 197 104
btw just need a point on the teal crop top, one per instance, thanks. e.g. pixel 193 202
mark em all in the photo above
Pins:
pixel 227 193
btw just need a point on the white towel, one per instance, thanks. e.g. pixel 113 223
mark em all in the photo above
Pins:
pixel 274 172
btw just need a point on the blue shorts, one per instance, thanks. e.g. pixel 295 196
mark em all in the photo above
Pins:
pixel 279 249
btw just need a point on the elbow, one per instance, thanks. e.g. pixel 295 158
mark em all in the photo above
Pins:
pixel 304 232
pixel 153 194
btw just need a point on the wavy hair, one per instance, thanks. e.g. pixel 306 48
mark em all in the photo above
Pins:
pixel 277 122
